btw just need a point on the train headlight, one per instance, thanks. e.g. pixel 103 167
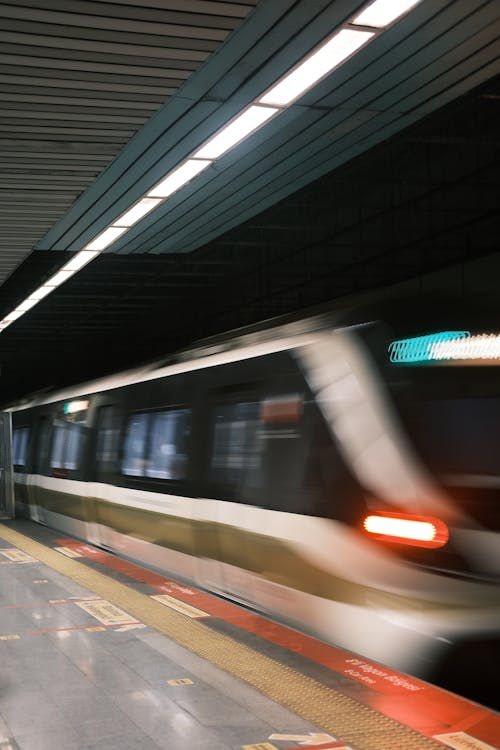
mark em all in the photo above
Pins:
pixel 414 530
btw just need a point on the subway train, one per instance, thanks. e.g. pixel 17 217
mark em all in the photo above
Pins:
pixel 339 473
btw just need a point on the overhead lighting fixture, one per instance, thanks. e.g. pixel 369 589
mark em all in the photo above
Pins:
pixel 236 131
pixel 381 13
pixel 338 48
pixel 179 177
pixel 59 278
pixel 26 305
pixel 321 62
pixel 106 238
pixel 137 212
pixel 79 260
pixel 14 315
pixel 41 292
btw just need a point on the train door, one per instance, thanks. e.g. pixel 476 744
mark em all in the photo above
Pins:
pixel 263 463
pixel 65 491
pixel 230 427
pixel 105 458
pixel 6 487
pixel 254 458
pixel 20 440
pixel 40 462
pixel 235 464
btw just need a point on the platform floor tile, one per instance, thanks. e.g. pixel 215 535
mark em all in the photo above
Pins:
pixel 69 682
pixel 103 663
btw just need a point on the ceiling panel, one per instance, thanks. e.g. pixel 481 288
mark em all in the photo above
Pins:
pixel 77 80
pixel 437 52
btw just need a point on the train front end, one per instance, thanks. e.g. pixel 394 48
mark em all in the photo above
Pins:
pixel 417 421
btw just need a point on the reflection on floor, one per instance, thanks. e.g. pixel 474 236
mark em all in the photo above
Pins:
pixel 99 653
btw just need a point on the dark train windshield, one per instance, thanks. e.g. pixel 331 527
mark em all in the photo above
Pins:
pixel 457 434
pixel 451 411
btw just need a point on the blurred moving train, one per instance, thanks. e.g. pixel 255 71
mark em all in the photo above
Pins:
pixel 323 471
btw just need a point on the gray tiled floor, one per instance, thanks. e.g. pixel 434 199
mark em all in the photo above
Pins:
pixel 74 689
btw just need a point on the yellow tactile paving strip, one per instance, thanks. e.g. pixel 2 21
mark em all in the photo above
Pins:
pixel 329 709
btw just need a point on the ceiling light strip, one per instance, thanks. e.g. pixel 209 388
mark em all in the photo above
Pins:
pixel 137 212
pixel 80 260
pixel 41 292
pixel 382 13
pixel 318 65
pixel 59 278
pixel 328 56
pixel 106 238
pixel 237 130
pixel 26 305
pixel 178 178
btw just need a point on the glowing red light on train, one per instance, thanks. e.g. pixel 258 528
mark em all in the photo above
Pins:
pixel 417 531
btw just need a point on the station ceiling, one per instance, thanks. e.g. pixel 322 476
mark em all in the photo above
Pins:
pixel 386 169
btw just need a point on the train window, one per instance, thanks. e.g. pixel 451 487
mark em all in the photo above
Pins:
pixel 74 434
pixel 133 463
pixel 42 445
pixel 20 446
pixel 56 457
pixel 237 443
pixel 457 435
pixel 108 437
pixel 156 445
pixel 269 453
pixel 66 445
pixel 168 441
pixel 286 450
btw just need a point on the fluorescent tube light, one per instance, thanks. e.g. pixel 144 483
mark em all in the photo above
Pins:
pixel 14 315
pixel 106 238
pixel 178 178
pixel 134 214
pixel 341 46
pixel 59 278
pixel 41 292
pixel 238 129
pixel 328 56
pixel 79 260
pixel 383 12
pixel 26 305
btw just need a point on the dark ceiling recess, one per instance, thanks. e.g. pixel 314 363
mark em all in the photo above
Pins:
pixel 427 199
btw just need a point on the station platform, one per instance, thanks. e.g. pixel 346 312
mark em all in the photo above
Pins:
pixel 97 652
